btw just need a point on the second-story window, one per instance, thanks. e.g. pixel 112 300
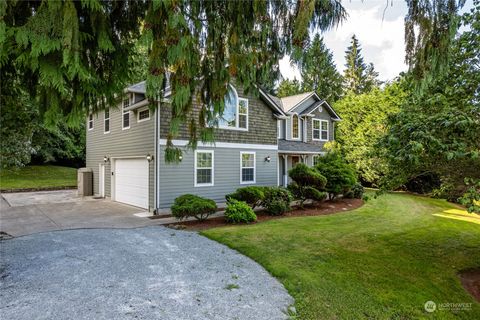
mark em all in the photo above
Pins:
pixel 90 121
pixel 324 130
pixel 106 122
pixel 126 114
pixel 295 127
pixel 143 114
pixel 235 112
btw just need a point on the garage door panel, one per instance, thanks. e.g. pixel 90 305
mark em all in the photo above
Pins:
pixel 131 182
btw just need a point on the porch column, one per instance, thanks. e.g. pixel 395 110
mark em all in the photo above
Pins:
pixel 285 170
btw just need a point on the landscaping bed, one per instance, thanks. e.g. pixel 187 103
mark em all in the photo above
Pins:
pixel 325 208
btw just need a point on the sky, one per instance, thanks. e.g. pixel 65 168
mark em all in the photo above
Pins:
pixel 381 37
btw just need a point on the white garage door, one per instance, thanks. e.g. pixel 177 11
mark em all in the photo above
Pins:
pixel 131 182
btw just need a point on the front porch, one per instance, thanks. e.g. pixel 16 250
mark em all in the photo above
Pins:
pixel 287 160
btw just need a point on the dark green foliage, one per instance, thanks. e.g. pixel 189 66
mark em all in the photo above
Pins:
pixel 238 212
pixel 277 200
pixel 307 183
pixel 319 72
pixel 430 27
pixel 471 198
pixel 356 192
pixel 436 130
pixel 341 177
pixel 189 205
pixel 364 124
pixel 424 183
pixel 60 145
pixel 252 195
pixel 289 88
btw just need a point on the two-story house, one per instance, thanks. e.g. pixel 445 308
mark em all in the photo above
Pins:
pixel 257 141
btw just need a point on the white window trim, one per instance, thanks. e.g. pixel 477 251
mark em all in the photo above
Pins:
pixel 314 157
pixel 129 119
pixel 195 169
pixel 319 129
pixel 254 167
pixel 279 123
pixel 88 122
pixel 130 100
pixel 328 130
pixel 138 114
pixel 237 114
pixel 291 126
pixel 105 121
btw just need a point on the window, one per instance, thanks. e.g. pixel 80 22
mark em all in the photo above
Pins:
pixel 203 168
pixel 279 129
pixel 316 129
pixel 143 114
pixel 90 121
pixel 324 130
pixel 126 115
pixel 235 112
pixel 315 159
pixel 295 127
pixel 247 167
pixel 106 122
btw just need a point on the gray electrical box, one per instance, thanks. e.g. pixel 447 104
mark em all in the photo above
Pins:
pixel 85 182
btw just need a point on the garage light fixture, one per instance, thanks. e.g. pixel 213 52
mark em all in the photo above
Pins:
pixel 106 159
pixel 149 157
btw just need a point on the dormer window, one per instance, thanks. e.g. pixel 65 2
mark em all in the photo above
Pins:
pixel 235 112
pixel 295 127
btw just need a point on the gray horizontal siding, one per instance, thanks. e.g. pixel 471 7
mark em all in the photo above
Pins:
pixel 138 141
pixel 178 179
pixel 323 115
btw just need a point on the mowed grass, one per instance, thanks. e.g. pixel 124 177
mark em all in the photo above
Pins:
pixel 38 177
pixel 381 261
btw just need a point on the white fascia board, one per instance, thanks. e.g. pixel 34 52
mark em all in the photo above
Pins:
pixel 227 145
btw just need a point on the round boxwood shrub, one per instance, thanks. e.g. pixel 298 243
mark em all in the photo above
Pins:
pixel 356 192
pixel 239 211
pixel 277 200
pixel 190 205
pixel 252 195
pixel 307 184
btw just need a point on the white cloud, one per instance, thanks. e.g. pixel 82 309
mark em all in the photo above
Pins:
pixel 381 37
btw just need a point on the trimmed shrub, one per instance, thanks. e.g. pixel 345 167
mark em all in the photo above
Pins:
pixel 341 176
pixel 190 205
pixel 356 192
pixel 307 184
pixel 277 200
pixel 239 211
pixel 252 195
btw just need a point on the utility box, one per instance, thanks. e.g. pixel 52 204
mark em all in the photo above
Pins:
pixel 85 182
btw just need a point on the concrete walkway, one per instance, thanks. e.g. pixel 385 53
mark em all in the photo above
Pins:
pixel 34 212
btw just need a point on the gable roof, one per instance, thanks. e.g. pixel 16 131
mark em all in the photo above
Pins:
pixel 290 102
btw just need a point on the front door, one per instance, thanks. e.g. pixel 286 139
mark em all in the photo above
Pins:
pixel 295 160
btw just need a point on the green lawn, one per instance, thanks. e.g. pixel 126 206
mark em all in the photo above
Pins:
pixel 381 261
pixel 38 177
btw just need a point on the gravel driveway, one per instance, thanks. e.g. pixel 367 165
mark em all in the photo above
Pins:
pixel 145 273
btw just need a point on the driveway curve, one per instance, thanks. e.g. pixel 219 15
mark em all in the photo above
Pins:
pixel 145 273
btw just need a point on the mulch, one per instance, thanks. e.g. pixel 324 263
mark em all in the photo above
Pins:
pixel 471 282
pixel 325 208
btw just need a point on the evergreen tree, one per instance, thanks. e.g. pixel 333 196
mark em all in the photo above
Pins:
pixel 354 74
pixel 76 53
pixel 371 78
pixel 289 88
pixel 319 73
